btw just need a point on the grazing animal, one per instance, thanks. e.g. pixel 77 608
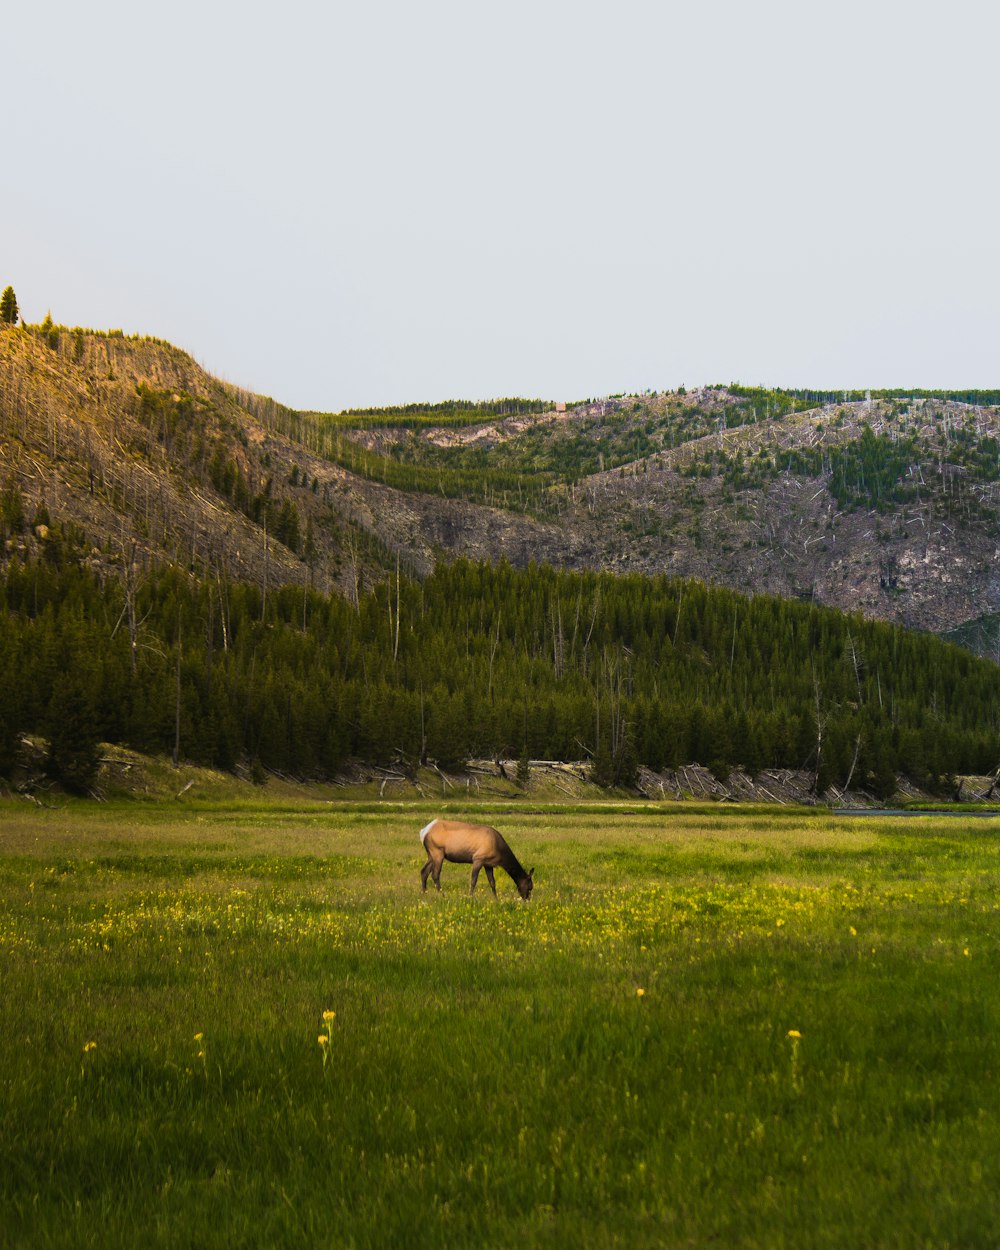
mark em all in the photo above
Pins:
pixel 478 845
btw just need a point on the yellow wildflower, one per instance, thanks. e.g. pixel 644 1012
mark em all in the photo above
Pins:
pixel 793 1033
pixel 640 992
pixel 198 1036
pixel 329 1015
pixel 89 1047
pixel 322 1039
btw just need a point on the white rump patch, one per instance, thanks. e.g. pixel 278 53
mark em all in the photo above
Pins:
pixel 426 830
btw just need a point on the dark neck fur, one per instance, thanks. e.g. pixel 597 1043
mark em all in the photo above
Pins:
pixel 509 863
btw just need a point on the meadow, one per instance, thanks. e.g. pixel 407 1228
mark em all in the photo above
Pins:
pixel 242 1026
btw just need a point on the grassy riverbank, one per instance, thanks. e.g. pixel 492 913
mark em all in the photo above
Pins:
pixel 740 1027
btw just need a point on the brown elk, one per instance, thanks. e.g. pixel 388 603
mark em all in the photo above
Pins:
pixel 478 845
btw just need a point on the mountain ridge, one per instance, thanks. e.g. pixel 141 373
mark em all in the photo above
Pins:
pixel 130 450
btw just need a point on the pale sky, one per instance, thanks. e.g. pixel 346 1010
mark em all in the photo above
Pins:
pixel 382 202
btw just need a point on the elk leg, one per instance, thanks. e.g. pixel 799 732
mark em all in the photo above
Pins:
pixel 489 878
pixel 475 876
pixel 425 872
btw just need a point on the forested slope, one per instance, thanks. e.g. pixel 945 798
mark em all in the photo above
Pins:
pixel 482 661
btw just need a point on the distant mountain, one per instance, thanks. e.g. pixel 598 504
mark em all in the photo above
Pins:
pixel 122 451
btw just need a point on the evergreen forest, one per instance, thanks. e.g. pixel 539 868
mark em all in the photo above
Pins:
pixel 479 661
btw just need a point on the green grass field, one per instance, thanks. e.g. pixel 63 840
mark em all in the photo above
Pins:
pixel 708 1028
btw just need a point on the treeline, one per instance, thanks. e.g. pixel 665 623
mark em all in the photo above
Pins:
pixel 984 398
pixel 478 661
pixel 54 335
pixel 795 399
pixel 449 412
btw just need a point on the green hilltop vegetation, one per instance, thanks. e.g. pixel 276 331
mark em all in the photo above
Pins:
pixel 800 400
pixel 450 412
pixel 477 661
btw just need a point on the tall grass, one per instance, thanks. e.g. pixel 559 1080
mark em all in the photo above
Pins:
pixel 731 1029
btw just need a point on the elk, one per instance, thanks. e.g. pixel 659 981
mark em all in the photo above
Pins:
pixel 478 845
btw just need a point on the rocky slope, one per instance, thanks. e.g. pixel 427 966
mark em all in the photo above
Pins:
pixel 127 451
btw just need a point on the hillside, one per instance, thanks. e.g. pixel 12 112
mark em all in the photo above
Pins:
pixel 125 450
pixel 128 452
pixel 887 506
pixel 483 662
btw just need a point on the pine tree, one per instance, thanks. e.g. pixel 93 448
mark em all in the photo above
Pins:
pixel 602 767
pixel 73 755
pixel 8 744
pixel 11 508
pixel 50 331
pixel 9 310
